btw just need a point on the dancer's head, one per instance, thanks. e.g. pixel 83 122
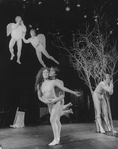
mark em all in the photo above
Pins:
pixel 18 19
pixel 53 72
pixel 32 32
pixel 107 78
pixel 41 76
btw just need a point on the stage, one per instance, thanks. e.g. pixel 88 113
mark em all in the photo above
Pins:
pixel 73 136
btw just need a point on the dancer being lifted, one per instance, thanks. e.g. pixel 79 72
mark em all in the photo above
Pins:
pixel 17 31
pixel 46 93
pixel 39 43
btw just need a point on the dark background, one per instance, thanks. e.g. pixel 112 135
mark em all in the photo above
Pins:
pixel 47 16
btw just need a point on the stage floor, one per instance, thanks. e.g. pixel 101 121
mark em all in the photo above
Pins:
pixel 73 136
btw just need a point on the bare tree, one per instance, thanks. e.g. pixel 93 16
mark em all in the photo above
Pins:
pixel 93 54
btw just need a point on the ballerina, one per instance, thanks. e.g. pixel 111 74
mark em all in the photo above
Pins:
pixel 17 31
pixel 39 43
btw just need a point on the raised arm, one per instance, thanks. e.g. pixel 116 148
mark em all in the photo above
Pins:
pixel 111 85
pixel 108 88
pixel 15 25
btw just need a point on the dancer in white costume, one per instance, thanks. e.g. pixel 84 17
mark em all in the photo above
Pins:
pixel 100 104
pixel 46 93
pixel 39 43
pixel 17 31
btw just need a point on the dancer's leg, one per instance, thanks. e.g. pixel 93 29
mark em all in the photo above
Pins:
pixel 44 51
pixel 105 114
pixel 39 56
pixel 61 103
pixel 97 107
pixel 64 112
pixel 19 47
pixel 11 45
pixel 53 121
pixel 67 105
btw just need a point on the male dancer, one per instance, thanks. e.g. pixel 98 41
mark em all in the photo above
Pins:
pixel 100 104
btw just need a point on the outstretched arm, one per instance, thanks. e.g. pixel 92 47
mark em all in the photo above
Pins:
pixel 66 89
pixel 26 40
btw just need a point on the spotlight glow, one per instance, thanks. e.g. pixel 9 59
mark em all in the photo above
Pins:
pixel 67 8
pixel 78 5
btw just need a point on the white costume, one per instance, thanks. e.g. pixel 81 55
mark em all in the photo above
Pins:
pixel 17 31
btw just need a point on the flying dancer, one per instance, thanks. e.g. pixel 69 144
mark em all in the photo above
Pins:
pixel 39 43
pixel 17 31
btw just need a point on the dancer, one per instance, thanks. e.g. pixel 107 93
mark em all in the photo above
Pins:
pixel 58 91
pixel 39 43
pixel 100 104
pixel 17 31
pixel 45 90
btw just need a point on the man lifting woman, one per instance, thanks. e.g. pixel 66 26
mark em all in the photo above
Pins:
pixel 48 94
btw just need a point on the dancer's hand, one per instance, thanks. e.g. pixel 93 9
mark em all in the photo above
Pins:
pixel 51 101
pixel 77 93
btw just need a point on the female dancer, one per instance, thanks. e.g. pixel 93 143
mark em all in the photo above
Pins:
pixel 17 31
pixel 39 43
pixel 45 90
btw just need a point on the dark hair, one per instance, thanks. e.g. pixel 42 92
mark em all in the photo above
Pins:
pixel 39 77
pixel 55 68
pixel 33 30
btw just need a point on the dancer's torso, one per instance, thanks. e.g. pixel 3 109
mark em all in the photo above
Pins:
pixel 99 89
pixel 17 33
pixel 58 91
pixel 36 44
pixel 48 89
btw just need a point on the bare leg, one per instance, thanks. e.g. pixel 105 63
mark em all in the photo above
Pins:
pixel 48 56
pixel 64 112
pixel 19 47
pixel 53 121
pixel 67 105
pixel 96 101
pixel 105 114
pixel 11 45
pixel 58 119
pixel 39 55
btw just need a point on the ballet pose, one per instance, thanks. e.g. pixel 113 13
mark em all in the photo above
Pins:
pixel 39 43
pixel 100 105
pixel 46 94
pixel 17 31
